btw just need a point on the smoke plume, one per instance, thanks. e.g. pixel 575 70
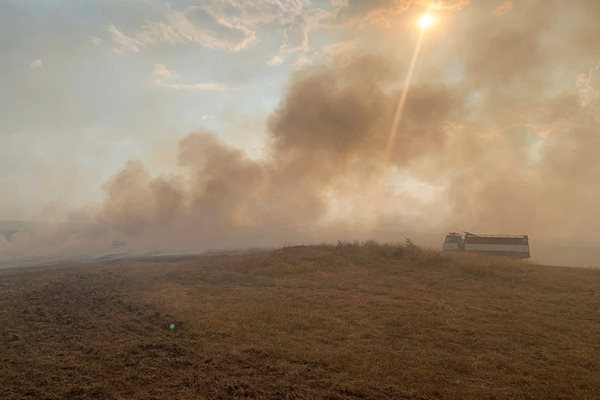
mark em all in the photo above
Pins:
pixel 503 149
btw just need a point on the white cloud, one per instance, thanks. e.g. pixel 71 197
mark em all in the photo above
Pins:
pixel 208 28
pixel 275 60
pixel 96 41
pixel 165 77
pixel 204 25
pixel 300 22
pixel 35 64
pixel 231 25
pixel 124 42
pixel 333 51
pixel 162 73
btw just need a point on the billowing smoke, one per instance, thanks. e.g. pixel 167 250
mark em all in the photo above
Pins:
pixel 328 130
pixel 503 149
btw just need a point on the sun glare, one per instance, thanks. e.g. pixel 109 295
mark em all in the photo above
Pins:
pixel 426 21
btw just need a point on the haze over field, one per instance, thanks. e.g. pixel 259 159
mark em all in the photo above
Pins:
pixel 182 127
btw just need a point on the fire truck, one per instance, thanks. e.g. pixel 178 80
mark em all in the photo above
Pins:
pixel 516 246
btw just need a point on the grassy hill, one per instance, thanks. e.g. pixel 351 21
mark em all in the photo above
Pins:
pixel 330 322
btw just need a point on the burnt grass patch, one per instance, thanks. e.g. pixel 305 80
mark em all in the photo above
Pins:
pixel 353 321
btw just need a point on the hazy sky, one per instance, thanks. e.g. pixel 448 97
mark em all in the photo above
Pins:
pixel 86 86
pixel 502 111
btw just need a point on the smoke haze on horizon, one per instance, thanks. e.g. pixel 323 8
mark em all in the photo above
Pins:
pixel 500 132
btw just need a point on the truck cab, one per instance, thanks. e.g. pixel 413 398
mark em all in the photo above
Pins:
pixel 453 242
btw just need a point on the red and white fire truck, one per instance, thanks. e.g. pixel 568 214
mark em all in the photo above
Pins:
pixel 507 245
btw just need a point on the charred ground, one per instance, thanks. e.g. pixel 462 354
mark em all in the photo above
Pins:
pixel 335 322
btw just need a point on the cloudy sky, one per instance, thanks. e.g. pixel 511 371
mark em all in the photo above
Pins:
pixel 501 112
pixel 86 86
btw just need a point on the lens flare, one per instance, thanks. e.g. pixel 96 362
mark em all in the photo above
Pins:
pixel 426 21
pixel 389 148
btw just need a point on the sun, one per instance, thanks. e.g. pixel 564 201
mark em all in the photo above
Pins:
pixel 426 21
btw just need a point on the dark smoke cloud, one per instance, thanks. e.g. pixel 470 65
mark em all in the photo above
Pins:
pixel 138 201
pixel 326 141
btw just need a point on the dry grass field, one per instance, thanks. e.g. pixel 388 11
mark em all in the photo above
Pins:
pixel 320 322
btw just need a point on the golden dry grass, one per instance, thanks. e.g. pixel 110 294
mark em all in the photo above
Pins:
pixel 320 322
